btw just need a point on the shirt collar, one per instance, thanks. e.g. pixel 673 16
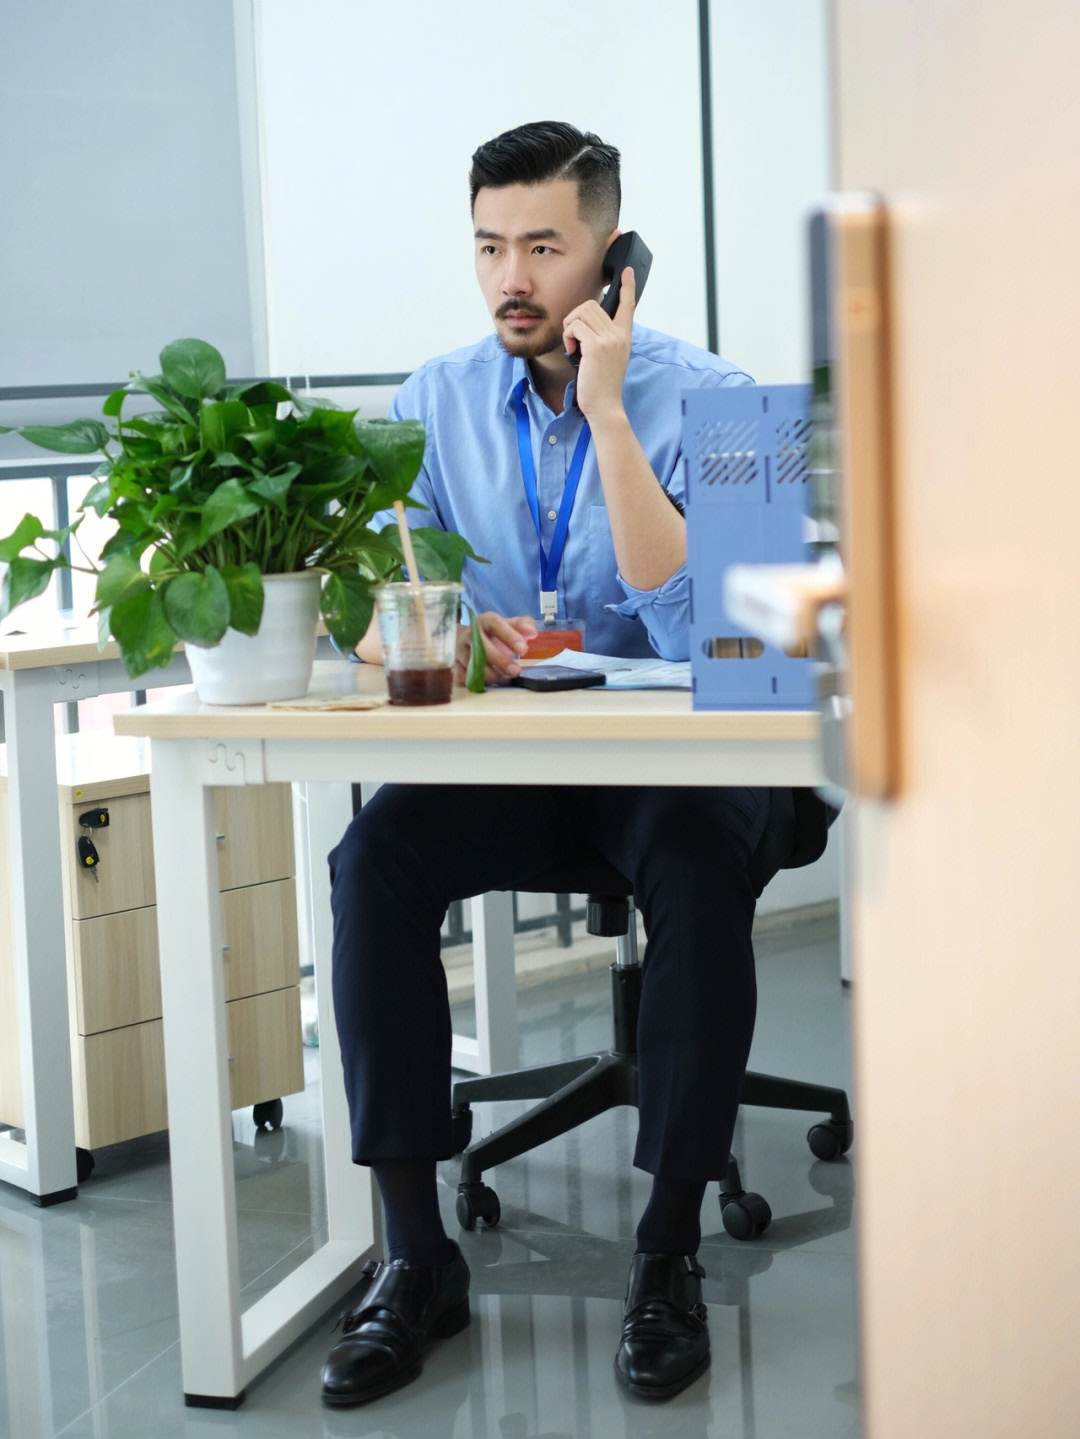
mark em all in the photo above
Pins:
pixel 521 375
pixel 519 371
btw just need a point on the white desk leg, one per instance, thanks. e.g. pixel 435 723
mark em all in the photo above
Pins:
pixel 197 1077
pixel 842 829
pixel 45 1164
pixel 350 1209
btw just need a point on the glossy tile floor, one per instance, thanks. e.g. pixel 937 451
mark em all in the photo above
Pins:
pixel 88 1329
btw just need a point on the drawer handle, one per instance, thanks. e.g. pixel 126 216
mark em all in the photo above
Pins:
pixel 220 838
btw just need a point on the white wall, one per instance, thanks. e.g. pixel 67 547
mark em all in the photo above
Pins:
pixel 772 165
pixel 368 126
pixel 120 172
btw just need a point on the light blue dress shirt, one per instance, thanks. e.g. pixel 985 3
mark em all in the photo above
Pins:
pixel 471 482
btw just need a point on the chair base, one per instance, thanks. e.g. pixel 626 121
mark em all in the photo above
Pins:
pixel 579 1089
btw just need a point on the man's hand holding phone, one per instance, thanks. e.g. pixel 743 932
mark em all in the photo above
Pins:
pixel 505 641
pixel 604 344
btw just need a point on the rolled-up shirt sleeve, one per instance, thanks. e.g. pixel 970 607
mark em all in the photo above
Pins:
pixel 664 611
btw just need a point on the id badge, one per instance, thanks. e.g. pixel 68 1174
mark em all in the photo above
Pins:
pixel 549 640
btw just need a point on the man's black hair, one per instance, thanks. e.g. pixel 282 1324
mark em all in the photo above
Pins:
pixel 551 150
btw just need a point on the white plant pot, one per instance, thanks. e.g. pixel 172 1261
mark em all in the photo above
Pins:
pixel 275 663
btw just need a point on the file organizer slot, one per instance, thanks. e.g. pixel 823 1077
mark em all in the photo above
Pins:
pixel 747 453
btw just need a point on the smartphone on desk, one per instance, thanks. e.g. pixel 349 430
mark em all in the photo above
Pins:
pixel 557 677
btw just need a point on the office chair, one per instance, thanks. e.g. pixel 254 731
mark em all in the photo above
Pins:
pixel 579 1089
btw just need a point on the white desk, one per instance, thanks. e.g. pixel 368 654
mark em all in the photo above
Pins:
pixel 37 672
pixel 58 665
pixel 505 736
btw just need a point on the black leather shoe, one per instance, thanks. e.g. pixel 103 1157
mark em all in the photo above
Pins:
pixel 404 1308
pixel 665 1339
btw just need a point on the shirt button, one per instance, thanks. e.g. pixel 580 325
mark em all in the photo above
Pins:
pixel 552 515
pixel 553 439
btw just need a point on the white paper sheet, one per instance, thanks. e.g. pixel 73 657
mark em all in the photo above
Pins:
pixel 624 674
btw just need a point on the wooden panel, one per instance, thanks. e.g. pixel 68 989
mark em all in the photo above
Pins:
pixel 265 1047
pixel 259 927
pixel 257 845
pixel 966 908
pixel 11 1098
pixel 256 825
pixel 116 970
pixel 120 1075
pixel 124 875
pixel 119 1084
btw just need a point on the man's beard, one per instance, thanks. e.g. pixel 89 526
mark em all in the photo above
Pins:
pixel 541 341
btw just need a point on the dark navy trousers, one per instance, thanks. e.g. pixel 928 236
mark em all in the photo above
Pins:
pixel 414 848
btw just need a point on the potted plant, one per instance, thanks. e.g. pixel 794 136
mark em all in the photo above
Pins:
pixel 226 497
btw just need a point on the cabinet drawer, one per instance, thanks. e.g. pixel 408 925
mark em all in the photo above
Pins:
pixel 258 925
pixel 123 877
pixel 120 1075
pixel 266 1058
pixel 255 844
pixel 119 1084
pixel 255 829
pixel 117 980
pixel 116 972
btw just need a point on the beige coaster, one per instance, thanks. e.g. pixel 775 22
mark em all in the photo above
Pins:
pixel 334 702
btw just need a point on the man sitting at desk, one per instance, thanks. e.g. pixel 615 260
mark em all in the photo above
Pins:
pixel 517 438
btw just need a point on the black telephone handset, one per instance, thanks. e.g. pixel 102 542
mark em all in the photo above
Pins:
pixel 628 249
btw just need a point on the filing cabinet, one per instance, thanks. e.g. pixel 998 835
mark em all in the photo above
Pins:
pixel 114 989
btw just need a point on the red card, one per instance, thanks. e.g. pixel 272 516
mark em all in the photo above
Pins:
pixel 548 642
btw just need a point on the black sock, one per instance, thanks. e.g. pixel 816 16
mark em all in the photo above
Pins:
pixel 414 1227
pixel 671 1223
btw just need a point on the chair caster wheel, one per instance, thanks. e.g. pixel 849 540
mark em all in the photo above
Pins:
pixel 830 1138
pixel 269 1114
pixel 84 1165
pixel 461 1120
pixel 477 1201
pixel 745 1216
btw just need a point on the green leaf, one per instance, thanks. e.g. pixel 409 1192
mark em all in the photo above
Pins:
pixel 114 403
pixel 23 579
pixel 26 532
pixel 193 368
pixel 474 675
pixel 197 606
pixel 228 504
pixel 159 561
pixel 245 588
pixel 126 542
pixel 79 437
pixel 158 390
pixel 394 449
pixel 441 554
pixel 261 392
pixel 275 487
pixel 318 417
pixel 219 420
pixel 347 606
pixel 120 577
pixel 145 637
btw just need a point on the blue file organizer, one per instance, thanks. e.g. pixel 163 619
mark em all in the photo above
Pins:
pixel 747 451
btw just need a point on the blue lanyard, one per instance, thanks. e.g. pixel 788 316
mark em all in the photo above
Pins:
pixel 549 562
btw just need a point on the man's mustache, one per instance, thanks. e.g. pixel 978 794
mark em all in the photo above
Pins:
pixel 519 307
